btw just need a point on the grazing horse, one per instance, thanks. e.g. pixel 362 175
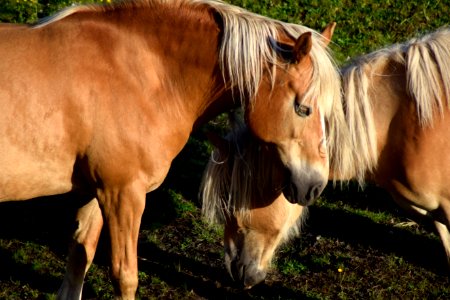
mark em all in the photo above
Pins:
pixel 397 110
pixel 100 99
pixel 242 188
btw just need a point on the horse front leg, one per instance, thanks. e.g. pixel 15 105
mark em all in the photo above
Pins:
pixel 82 251
pixel 123 208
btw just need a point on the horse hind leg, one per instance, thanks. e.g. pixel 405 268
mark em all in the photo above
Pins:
pixel 441 218
pixel 444 234
pixel 82 251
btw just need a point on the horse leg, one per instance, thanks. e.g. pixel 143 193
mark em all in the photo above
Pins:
pixel 444 233
pixel 441 218
pixel 81 253
pixel 123 209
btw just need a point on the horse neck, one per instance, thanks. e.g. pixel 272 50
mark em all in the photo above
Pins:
pixel 187 43
pixel 183 44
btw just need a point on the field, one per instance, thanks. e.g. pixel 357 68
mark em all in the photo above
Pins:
pixel 356 244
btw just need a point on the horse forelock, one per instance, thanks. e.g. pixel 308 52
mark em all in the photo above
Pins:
pixel 427 63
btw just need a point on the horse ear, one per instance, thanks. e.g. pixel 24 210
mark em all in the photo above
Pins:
pixel 221 144
pixel 302 47
pixel 328 33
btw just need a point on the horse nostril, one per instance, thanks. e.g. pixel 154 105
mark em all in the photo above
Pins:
pixel 314 192
pixel 253 275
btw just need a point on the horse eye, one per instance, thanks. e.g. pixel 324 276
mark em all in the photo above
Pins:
pixel 302 110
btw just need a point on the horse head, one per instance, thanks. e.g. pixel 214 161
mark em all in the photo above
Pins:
pixel 290 115
pixel 243 189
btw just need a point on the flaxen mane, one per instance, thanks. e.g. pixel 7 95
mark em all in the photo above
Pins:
pixel 427 64
pixel 245 52
pixel 230 182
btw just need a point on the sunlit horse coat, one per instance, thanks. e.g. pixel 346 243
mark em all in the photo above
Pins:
pixel 101 99
pixel 397 103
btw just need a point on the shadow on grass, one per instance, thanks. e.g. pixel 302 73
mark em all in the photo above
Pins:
pixel 50 221
pixel 46 222
pixel 11 270
pixel 206 281
pixel 420 250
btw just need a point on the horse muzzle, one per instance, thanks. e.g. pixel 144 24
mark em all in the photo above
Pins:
pixel 304 187
pixel 245 272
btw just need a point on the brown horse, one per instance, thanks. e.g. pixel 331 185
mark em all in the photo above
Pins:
pixel 397 108
pixel 245 180
pixel 100 99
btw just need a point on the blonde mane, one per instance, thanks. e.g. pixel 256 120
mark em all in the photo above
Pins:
pixel 427 64
pixel 246 51
pixel 230 183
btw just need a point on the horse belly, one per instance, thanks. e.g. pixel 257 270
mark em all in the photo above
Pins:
pixel 422 170
pixel 27 177
pixel 37 150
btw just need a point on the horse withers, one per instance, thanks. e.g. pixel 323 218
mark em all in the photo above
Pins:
pixel 397 110
pixel 100 99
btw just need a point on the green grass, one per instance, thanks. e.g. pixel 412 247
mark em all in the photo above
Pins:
pixel 360 232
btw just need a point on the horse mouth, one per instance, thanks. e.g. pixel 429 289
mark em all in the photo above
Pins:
pixel 304 193
pixel 290 192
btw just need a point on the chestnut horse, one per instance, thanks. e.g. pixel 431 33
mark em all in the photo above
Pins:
pixel 100 99
pixel 245 180
pixel 397 109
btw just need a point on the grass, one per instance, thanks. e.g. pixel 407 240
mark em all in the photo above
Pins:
pixel 355 245
pixel 180 257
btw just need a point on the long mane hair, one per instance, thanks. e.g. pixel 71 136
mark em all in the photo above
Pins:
pixel 427 63
pixel 245 52
pixel 231 181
